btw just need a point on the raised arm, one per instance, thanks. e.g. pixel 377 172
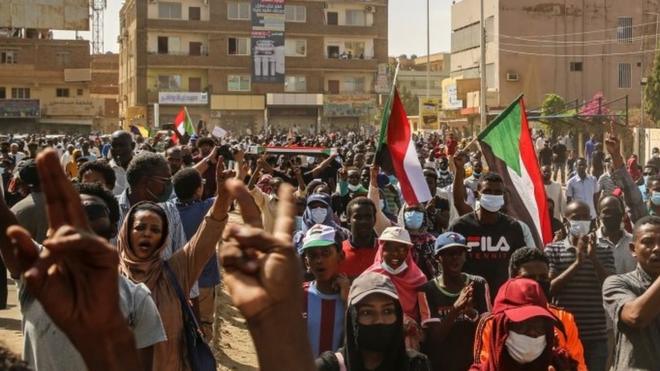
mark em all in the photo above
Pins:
pixel 207 161
pixel 458 188
pixel 382 221
pixel 631 194
pixel 263 276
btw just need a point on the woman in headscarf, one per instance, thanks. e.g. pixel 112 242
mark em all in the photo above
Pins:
pixel 140 244
pixel 374 337
pixel 416 223
pixel 519 334
pixel 72 165
pixel 394 260
pixel 318 211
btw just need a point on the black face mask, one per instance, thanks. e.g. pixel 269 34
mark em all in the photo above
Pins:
pixel 612 223
pixel 375 338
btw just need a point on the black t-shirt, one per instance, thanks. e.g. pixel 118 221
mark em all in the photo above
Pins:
pixel 560 151
pixel 491 246
pixel 454 353
pixel 327 361
pixel 545 156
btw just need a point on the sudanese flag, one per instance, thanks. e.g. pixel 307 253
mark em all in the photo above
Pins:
pixel 396 153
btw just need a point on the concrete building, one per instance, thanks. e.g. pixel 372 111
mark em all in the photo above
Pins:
pixel 104 87
pixel 572 48
pixel 44 83
pixel 201 54
pixel 412 74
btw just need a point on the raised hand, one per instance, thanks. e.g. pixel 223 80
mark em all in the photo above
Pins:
pixel 262 269
pixel 75 278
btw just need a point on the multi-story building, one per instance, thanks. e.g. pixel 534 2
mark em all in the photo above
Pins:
pixel 200 53
pixel 44 83
pixel 412 74
pixel 574 48
pixel 104 87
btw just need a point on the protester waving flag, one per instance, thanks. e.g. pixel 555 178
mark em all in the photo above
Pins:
pixel 396 153
pixel 183 125
pixel 509 150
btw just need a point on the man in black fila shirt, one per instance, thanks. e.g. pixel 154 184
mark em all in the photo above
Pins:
pixel 491 235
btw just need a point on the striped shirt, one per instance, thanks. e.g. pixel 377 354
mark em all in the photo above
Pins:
pixel 582 294
pixel 325 319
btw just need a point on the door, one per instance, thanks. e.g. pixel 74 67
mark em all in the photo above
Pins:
pixel 194 84
pixel 333 18
pixel 333 86
pixel 162 45
pixel 195 48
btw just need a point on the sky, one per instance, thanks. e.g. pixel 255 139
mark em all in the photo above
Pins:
pixel 407 27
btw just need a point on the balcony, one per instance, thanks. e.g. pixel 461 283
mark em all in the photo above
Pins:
pixel 336 30
pixel 353 63
pixel 178 59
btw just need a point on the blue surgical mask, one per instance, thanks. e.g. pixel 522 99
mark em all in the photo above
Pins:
pixel 579 228
pixel 655 198
pixel 413 219
pixel 393 180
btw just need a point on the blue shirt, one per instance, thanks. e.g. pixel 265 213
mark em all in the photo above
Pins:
pixel 105 150
pixel 192 214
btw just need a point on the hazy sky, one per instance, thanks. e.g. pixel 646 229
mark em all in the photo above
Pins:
pixel 407 33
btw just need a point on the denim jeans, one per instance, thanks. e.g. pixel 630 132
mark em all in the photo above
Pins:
pixel 595 354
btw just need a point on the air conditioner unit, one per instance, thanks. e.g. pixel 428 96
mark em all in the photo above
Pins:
pixel 370 9
pixel 512 76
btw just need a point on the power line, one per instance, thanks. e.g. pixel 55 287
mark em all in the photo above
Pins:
pixel 576 55
pixel 560 42
pixel 628 42
pixel 582 32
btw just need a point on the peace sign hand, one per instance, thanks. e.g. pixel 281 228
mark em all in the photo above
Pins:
pixel 75 278
pixel 262 269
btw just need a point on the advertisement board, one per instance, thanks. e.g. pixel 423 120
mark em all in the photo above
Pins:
pixel 183 98
pixel 348 105
pixel 45 14
pixel 268 41
pixel 19 108
pixel 429 113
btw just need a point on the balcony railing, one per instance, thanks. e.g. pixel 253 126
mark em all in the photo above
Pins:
pixel 19 108
pixel 203 53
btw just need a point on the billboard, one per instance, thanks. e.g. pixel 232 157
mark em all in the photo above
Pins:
pixel 268 41
pixel 337 105
pixel 48 14
pixel 183 98
pixel 428 113
pixel 19 108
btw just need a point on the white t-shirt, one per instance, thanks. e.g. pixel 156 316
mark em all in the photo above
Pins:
pixel 46 347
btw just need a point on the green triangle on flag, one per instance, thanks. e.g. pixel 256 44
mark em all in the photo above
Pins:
pixel 503 136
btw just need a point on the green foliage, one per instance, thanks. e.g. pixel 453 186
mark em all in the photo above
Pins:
pixel 652 92
pixel 410 102
pixel 553 104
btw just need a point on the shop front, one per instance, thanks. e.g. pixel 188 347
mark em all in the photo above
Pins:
pixel 239 114
pixel 298 112
pixel 344 112
pixel 171 103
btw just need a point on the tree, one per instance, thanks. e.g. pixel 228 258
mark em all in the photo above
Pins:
pixel 652 91
pixel 553 104
pixel 410 102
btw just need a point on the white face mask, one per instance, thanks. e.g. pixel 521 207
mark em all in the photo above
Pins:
pixel 393 271
pixel 524 349
pixel 492 203
pixel 579 228
pixel 319 214
pixel 353 188
pixel 381 203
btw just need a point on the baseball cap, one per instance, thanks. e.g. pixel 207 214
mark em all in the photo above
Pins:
pixel 521 299
pixel 319 236
pixel 396 234
pixel 448 240
pixel 371 283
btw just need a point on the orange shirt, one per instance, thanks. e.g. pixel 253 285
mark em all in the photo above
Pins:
pixel 571 341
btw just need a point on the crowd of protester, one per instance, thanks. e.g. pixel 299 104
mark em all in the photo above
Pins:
pixel 116 245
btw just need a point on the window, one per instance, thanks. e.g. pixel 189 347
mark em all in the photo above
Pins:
pixel 333 51
pixel 332 18
pixel 238 10
pixel 195 48
pixel 624 31
pixel 625 76
pixel 238 83
pixel 295 84
pixel 239 46
pixel 194 13
pixel 162 45
pixel 356 18
pixel 167 82
pixel 295 13
pixel 576 66
pixel 354 85
pixel 8 57
pixel 63 58
pixel 20 93
pixel 355 49
pixel 79 92
pixel 62 92
pixel 169 10
pixel 295 47
pixel 3 92
pixel 194 84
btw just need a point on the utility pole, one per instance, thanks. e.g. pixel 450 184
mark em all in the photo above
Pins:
pixel 482 66
pixel 428 48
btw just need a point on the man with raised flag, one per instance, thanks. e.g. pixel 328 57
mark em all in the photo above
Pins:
pixel 514 184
